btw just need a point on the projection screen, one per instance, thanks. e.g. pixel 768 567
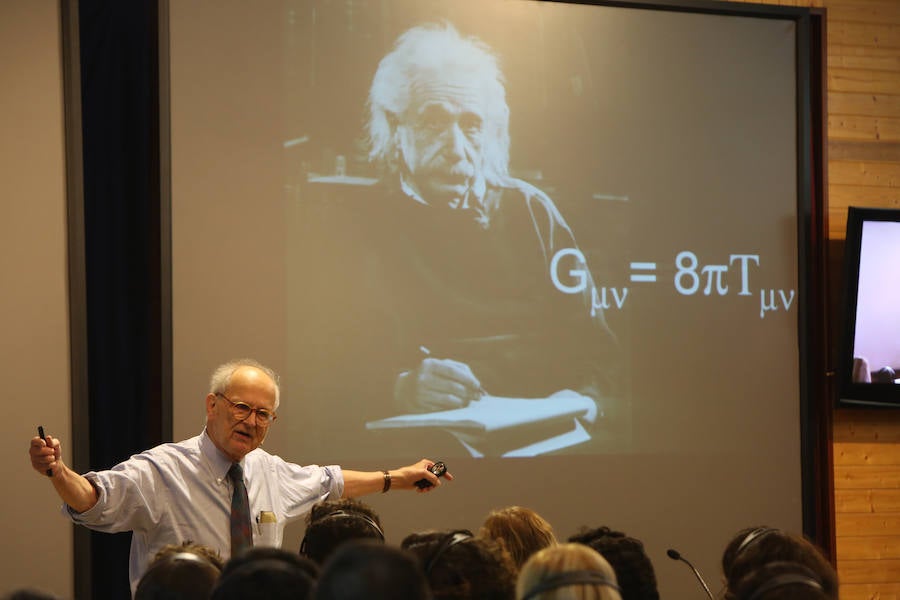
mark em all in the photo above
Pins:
pixel 611 307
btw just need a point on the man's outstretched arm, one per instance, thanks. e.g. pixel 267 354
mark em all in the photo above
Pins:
pixel 74 489
pixel 361 483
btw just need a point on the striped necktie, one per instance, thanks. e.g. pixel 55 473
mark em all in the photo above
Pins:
pixel 241 538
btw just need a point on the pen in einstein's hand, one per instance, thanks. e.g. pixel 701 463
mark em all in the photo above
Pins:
pixel 479 393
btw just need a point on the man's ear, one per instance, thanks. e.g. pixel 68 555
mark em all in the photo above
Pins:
pixel 210 402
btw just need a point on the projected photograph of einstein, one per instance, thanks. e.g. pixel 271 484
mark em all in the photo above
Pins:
pixel 445 298
pixel 526 228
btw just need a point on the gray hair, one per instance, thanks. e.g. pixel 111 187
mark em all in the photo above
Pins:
pixel 429 48
pixel 221 377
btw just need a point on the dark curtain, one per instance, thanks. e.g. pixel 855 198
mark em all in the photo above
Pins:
pixel 120 130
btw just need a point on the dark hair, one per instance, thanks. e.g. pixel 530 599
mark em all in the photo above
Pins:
pixel 626 555
pixel 178 576
pixel 269 553
pixel 755 547
pixel 781 581
pixel 201 550
pixel 741 540
pixel 334 522
pixel 461 566
pixel 263 579
pixel 369 570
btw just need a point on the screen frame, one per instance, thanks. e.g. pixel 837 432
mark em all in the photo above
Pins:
pixel 852 394
pixel 816 396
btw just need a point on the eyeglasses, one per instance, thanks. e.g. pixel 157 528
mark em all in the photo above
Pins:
pixel 242 411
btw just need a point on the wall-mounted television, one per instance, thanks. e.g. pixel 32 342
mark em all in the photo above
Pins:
pixel 869 362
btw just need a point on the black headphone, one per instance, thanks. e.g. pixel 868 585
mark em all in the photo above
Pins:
pixel 340 514
pixel 753 537
pixel 801 575
pixel 569 578
pixel 451 539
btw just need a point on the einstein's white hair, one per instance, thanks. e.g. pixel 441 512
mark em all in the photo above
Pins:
pixel 427 49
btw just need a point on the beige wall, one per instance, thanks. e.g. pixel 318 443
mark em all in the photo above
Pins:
pixel 34 352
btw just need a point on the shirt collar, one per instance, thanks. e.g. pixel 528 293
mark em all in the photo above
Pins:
pixel 218 462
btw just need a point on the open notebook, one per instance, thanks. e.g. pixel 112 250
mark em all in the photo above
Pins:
pixel 502 426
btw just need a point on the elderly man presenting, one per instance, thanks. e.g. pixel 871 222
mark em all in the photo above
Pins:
pixel 466 274
pixel 219 489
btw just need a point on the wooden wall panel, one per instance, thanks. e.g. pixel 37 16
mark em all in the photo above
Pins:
pixel 866 455
pixel 870 591
pixel 868 547
pixel 869 129
pixel 863 103
pixel 864 173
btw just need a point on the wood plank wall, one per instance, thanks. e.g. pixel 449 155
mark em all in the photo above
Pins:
pixel 863 83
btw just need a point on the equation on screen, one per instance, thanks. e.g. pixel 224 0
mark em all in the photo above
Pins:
pixel 570 276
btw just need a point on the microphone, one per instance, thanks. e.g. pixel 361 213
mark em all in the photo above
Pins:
pixel 676 555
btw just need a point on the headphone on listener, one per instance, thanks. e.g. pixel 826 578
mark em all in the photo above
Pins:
pixel 340 514
pixel 752 538
pixel 451 539
pixel 792 574
pixel 569 578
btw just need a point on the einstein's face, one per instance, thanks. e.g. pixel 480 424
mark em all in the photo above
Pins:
pixel 442 136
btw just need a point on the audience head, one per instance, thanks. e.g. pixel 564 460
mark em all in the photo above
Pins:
pixel 459 565
pixel 266 574
pixel 781 581
pixel 521 530
pixel 626 555
pixel 200 550
pixel 567 572
pixel 755 547
pixel 364 569
pixel 334 522
pixel 184 572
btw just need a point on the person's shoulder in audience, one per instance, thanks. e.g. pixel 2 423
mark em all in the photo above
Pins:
pixel 364 569
pixel 521 530
pixel 459 565
pixel 633 567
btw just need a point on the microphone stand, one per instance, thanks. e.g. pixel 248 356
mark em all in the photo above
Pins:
pixel 675 555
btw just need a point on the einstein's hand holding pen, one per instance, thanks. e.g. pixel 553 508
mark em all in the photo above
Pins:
pixel 436 384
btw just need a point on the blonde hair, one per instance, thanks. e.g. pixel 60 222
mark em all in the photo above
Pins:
pixel 521 530
pixel 567 558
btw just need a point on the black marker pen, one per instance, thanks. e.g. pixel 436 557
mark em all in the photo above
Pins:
pixel 49 472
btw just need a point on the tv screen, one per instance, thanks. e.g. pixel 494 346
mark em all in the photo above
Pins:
pixel 870 349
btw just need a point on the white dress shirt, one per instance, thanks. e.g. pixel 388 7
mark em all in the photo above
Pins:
pixel 178 492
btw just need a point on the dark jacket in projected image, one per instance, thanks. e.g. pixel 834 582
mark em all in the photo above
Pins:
pixel 471 285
